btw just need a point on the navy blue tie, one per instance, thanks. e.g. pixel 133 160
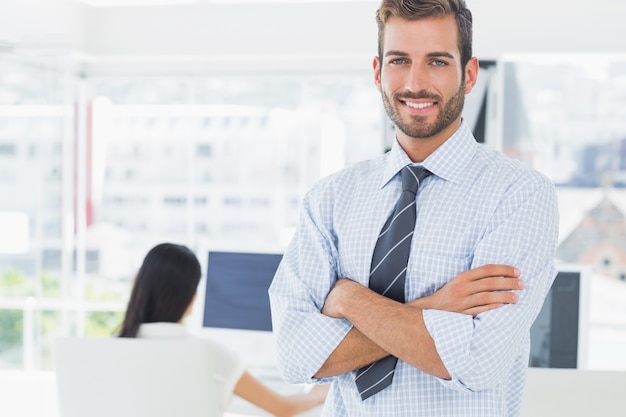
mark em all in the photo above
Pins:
pixel 388 271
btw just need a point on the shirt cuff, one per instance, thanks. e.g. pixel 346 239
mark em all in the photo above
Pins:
pixel 335 331
pixel 452 334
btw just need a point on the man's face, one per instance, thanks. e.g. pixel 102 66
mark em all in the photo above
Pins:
pixel 420 77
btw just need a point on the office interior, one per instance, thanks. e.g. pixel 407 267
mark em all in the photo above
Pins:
pixel 126 123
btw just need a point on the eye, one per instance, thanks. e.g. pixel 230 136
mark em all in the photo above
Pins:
pixel 439 63
pixel 397 61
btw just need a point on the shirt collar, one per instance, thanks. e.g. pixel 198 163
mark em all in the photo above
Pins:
pixel 161 330
pixel 448 161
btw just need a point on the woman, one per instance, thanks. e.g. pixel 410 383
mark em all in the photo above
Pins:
pixel 162 297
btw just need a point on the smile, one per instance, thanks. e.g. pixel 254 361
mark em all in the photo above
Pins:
pixel 419 105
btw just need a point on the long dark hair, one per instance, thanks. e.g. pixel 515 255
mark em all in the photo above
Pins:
pixel 164 286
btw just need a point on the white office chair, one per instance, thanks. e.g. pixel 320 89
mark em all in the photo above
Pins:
pixel 574 393
pixel 135 377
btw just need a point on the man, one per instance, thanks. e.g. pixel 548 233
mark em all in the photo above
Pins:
pixel 459 328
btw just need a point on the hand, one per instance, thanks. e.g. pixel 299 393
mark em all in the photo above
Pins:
pixel 318 393
pixel 332 305
pixel 475 291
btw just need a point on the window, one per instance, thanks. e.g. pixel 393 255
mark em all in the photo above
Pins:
pixel 204 150
pixel 7 149
pixel 158 163
pixel 564 116
pixel 33 265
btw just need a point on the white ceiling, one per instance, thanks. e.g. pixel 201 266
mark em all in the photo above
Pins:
pixel 122 3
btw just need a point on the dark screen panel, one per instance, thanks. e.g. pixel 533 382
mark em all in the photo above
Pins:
pixel 554 334
pixel 236 290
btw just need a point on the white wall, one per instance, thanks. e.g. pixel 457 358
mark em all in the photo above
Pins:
pixel 234 29
pixel 235 36
pixel 41 23
pixel 530 26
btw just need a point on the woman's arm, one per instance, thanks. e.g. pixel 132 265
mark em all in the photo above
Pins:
pixel 253 391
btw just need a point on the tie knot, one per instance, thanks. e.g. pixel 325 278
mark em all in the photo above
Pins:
pixel 412 176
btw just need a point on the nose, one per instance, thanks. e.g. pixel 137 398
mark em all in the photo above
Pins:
pixel 416 79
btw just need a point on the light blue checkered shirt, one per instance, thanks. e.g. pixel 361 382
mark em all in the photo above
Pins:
pixel 478 208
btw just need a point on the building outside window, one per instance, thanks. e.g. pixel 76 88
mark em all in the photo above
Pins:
pixel 115 166
pixel 564 115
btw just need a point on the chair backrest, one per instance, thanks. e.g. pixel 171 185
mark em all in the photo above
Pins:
pixel 553 392
pixel 135 377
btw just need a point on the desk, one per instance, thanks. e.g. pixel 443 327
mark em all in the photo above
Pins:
pixel 33 394
pixel 28 394
pixel 554 392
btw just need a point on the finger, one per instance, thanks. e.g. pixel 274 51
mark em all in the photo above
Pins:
pixel 495 284
pixel 487 298
pixel 491 301
pixel 493 270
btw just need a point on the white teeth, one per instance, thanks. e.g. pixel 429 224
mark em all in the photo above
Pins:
pixel 418 105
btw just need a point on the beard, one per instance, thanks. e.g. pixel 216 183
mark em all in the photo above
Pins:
pixel 416 127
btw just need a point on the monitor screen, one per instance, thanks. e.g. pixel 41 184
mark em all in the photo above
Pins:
pixel 558 335
pixel 236 290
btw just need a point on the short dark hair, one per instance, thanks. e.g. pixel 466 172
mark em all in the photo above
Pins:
pixel 163 288
pixel 421 9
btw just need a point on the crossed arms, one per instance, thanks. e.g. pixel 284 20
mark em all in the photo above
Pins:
pixel 383 326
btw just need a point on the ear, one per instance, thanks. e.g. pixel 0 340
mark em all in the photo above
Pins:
pixel 471 74
pixel 193 299
pixel 376 65
pixel 189 307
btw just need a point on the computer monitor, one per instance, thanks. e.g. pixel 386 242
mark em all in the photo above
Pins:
pixel 233 306
pixel 558 337
pixel 236 288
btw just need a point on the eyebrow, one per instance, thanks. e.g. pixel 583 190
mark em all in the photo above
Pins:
pixel 441 55
pixel 396 53
pixel 430 55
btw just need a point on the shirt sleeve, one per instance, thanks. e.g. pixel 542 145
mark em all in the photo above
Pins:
pixel 522 232
pixel 228 371
pixel 305 337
